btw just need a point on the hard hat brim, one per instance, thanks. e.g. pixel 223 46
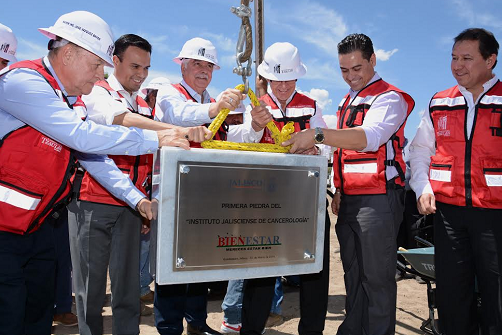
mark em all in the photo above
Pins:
pixel 263 70
pixel 179 60
pixel 52 35
pixel 10 58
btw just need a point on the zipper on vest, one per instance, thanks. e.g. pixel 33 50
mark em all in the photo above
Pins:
pixel 360 160
pixel 468 157
pixel 135 170
pixel 441 165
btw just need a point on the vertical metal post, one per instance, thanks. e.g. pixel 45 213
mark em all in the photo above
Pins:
pixel 259 35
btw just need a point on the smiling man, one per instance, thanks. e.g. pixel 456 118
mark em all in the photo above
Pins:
pixel 104 231
pixel 369 179
pixel 456 166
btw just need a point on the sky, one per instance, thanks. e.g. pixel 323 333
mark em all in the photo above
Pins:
pixel 412 39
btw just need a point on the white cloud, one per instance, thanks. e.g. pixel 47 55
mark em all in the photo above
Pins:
pixel 475 16
pixel 383 55
pixel 220 41
pixel 303 21
pixel 30 50
pixel 330 121
pixel 319 95
pixel 325 72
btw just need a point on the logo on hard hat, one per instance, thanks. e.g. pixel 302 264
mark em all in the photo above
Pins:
pixel 277 68
pixel 5 47
pixel 201 52
pixel 110 50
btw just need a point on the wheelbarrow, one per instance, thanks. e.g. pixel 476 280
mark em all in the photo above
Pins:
pixel 421 261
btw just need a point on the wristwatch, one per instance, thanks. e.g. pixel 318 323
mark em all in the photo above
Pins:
pixel 319 136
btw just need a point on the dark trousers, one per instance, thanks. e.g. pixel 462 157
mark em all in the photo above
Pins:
pixel 63 299
pixel 465 251
pixel 314 287
pixel 175 302
pixel 367 228
pixel 27 281
pixel 105 238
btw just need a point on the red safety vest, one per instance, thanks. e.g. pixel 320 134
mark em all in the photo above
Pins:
pixel 299 110
pixel 221 134
pixel 467 172
pixel 34 170
pixel 139 168
pixel 358 173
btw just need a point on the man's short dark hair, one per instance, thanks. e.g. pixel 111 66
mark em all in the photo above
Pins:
pixel 127 40
pixel 488 45
pixel 355 42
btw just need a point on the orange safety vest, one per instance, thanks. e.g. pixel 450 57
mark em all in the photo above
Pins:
pixel 299 110
pixel 361 173
pixel 221 134
pixel 35 170
pixel 138 168
pixel 467 172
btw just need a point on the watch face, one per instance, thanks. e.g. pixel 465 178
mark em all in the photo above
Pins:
pixel 319 137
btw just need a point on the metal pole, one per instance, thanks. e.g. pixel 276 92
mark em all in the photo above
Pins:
pixel 259 36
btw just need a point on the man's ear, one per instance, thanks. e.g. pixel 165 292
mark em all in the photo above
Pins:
pixel 373 60
pixel 116 60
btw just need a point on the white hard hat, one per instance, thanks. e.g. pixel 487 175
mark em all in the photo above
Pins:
pixel 156 83
pixel 282 62
pixel 199 48
pixel 87 30
pixel 8 44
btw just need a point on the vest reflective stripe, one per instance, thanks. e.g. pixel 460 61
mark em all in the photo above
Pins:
pixel 467 171
pixel 34 170
pixel 360 173
pixel 221 135
pixel 361 168
pixel 299 110
pixel 18 199
pixel 138 168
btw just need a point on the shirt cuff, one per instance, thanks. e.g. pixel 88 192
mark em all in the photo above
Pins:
pixel 370 139
pixel 133 197
pixel 151 140
pixel 427 188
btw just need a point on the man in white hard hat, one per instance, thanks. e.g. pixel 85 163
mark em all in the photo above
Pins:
pixel 369 179
pixel 41 136
pixel 282 67
pixel 189 104
pixel 8 46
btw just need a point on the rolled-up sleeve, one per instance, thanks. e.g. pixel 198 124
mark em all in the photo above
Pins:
pixel 385 116
pixel 102 108
pixel 177 110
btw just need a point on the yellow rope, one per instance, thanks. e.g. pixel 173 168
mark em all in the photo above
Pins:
pixel 278 136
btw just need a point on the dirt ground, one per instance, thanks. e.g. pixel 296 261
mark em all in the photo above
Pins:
pixel 412 308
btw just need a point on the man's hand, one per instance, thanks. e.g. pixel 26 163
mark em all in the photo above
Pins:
pixel 145 226
pixel 335 203
pixel 426 204
pixel 261 86
pixel 173 137
pixel 301 141
pixel 260 117
pixel 144 207
pixel 197 134
pixel 230 99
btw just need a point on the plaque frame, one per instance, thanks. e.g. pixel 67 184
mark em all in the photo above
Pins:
pixel 163 229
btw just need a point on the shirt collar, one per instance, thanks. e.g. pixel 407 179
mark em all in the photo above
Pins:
pixel 117 86
pixel 486 86
pixel 205 95
pixel 47 63
pixel 375 78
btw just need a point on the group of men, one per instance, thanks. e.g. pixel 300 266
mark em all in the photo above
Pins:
pixel 61 118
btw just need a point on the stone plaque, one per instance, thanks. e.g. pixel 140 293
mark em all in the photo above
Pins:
pixel 234 214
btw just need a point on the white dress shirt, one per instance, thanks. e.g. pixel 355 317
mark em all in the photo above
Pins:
pixel 424 143
pixel 386 115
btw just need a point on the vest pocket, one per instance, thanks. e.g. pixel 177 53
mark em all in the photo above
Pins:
pixel 360 171
pixel 492 172
pixel 20 200
pixel 441 175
